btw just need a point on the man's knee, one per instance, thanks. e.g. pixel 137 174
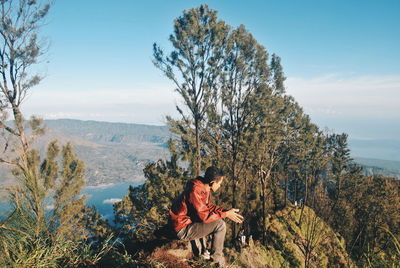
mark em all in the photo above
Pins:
pixel 221 226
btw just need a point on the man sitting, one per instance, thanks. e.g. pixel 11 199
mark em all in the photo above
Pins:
pixel 193 216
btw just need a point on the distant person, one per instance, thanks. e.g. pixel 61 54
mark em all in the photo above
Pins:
pixel 193 216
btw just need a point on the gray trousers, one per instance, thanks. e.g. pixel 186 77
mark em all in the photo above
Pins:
pixel 198 230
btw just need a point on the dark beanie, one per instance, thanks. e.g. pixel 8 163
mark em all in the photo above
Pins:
pixel 212 173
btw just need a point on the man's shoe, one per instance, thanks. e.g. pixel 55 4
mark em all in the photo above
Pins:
pixel 206 255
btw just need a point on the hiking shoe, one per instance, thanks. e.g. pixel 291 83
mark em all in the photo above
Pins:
pixel 206 255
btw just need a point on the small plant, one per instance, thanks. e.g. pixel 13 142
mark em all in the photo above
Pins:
pixel 374 259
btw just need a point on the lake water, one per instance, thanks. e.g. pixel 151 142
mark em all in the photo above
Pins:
pixel 102 197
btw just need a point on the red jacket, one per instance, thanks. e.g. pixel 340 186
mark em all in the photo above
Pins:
pixel 194 205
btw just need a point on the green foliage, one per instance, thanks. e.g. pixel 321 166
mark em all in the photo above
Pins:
pixel 146 206
pixel 245 72
pixel 374 203
pixel 194 65
pixel 42 232
pixel 340 162
pixel 20 50
pixel 46 226
pixel 25 252
pixel 287 243
pixel 381 259
pixel 98 229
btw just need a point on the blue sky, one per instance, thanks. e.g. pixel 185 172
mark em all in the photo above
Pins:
pixel 341 58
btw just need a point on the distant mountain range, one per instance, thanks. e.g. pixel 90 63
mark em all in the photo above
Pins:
pixel 118 152
pixel 377 156
pixel 112 152
pixel 107 133
pixel 377 166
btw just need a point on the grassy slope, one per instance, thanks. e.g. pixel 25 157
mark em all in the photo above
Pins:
pixel 285 247
pixel 288 241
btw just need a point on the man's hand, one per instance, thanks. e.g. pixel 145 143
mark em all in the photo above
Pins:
pixel 233 215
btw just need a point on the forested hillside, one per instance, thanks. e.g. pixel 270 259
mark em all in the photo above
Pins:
pixel 111 133
pixel 112 152
pixel 115 152
pixel 379 167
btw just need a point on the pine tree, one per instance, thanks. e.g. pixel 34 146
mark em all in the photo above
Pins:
pixel 68 205
pixel 340 161
pixel 48 209
pixel 193 65
pixel 45 227
pixel 278 77
pixel 20 50
pixel 245 69
pixel 145 207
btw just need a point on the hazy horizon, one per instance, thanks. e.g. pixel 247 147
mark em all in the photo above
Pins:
pixel 380 149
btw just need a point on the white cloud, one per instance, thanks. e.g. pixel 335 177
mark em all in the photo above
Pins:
pixel 362 96
pixel 112 200
pixel 147 105
pixel 325 96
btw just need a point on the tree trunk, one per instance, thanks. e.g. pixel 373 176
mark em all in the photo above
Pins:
pixel 245 199
pixel 217 153
pixel 263 207
pixel 337 195
pixel 234 178
pixel 234 184
pixel 19 123
pixel 286 190
pixel 198 156
pixel 304 202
